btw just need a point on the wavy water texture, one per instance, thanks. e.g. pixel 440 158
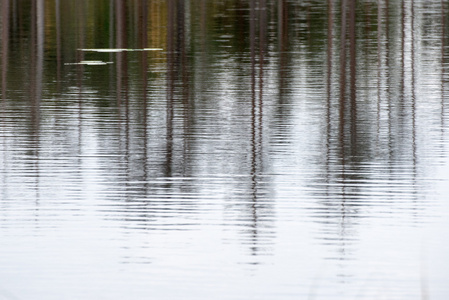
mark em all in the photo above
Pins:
pixel 251 149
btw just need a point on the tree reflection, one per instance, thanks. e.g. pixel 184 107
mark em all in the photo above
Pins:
pixel 393 112
pixel 5 46
pixel 444 44
pixel 143 23
pixel 4 72
pixel 176 69
pixel 37 65
pixel 121 59
pixel 257 117
pixel 162 126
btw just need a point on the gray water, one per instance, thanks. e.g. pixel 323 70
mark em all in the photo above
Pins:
pixel 236 150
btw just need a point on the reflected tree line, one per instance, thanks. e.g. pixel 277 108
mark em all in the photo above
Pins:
pixel 41 39
pixel 393 118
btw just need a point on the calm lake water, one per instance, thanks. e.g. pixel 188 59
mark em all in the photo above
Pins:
pixel 252 149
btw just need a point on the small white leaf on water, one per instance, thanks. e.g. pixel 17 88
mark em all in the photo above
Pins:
pixel 112 50
pixel 91 63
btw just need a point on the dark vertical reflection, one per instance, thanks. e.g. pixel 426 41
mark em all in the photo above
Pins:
pixel 111 39
pixel 122 79
pixel 329 54
pixel 352 68
pixel 5 47
pixel 443 66
pixel 58 42
pixel 143 37
pixel 342 99
pixel 37 59
pixel 121 58
pixel 283 48
pixel 342 108
pixel 171 37
pixel 379 72
pixel 348 31
pixel 5 12
pixel 262 49
pixel 257 124
pixel 81 40
pixel 389 79
pixel 414 111
pixel 37 65
pixel 257 209
pixel 254 150
pixel 203 28
pixel 185 77
pixel 203 32
pixel 178 90
pixel 402 84
pixel 413 89
pixel 282 26
pixel 285 43
pixel 348 150
pixel 252 45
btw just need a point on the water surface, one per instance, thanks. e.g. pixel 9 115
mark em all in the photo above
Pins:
pixel 224 149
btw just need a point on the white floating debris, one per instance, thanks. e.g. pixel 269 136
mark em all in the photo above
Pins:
pixel 112 50
pixel 104 50
pixel 91 63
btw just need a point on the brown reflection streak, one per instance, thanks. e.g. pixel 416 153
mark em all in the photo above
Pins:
pixel 5 47
pixel 401 98
pixel 80 15
pixel 37 61
pixel 342 77
pixel 58 42
pixel 254 154
pixel 177 76
pixel 388 92
pixel 111 42
pixel 252 37
pixel 171 14
pixel 252 40
pixel 413 83
pixel 262 49
pixel 330 37
pixel 352 67
pixel 379 65
pixel 122 75
pixel 181 21
pixel 347 112
pixel 282 44
pixel 348 31
pixel 4 60
pixel 143 21
pixel 259 150
pixel 37 64
pixel 203 26
pixel 256 109
pixel 80 8
pixel 443 67
pixel 121 65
